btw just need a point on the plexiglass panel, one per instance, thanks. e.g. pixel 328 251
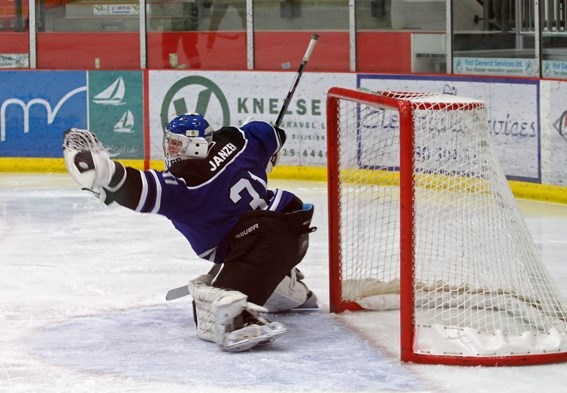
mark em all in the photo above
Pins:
pixel 554 39
pixel 88 34
pixel 14 39
pixel 401 36
pixel 208 34
pixel 282 30
pixel 494 38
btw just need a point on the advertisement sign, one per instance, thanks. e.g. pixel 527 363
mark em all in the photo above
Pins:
pixel 14 60
pixel 526 118
pixel 36 107
pixel 230 98
pixel 554 145
pixel 116 111
pixel 512 106
pixel 116 9
pixel 495 66
pixel 554 69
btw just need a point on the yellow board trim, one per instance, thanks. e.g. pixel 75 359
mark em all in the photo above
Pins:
pixel 46 165
pixel 522 190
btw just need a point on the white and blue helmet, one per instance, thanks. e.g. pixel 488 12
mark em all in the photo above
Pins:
pixel 186 136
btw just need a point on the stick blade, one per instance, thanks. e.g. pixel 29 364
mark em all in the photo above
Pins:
pixel 177 293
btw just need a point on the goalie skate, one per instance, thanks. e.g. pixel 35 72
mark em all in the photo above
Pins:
pixel 257 331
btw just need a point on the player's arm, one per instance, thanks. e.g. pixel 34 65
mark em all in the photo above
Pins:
pixel 270 138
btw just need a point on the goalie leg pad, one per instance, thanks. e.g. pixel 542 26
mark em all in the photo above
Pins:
pixel 215 310
pixel 290 293
pixel 226 318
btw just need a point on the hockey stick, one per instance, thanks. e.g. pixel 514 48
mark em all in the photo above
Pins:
pixel 312 42
pixel 182 291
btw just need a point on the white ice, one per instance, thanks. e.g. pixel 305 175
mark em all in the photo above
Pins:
pixel 82 309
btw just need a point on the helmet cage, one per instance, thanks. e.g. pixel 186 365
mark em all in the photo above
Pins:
pixel 187 136
pixel 176 145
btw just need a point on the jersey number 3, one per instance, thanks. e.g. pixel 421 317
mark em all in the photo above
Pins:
pixel 245 184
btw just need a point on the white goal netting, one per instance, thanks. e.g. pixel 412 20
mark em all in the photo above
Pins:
pixel 478 285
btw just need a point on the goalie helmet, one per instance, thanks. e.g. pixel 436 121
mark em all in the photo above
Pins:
pixel 186 136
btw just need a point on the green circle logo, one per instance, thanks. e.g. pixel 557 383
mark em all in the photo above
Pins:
pixel 196 94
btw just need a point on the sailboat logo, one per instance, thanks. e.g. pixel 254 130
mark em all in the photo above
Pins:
pixel 125 124
pixel 113 94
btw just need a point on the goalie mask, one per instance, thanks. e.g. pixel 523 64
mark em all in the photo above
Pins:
pixel 186 136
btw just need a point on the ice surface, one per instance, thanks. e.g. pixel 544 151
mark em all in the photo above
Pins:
pixel 82 309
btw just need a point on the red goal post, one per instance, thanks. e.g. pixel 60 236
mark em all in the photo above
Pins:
pixel 422 219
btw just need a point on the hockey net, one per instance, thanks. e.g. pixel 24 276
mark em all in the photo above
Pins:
pixel 421 218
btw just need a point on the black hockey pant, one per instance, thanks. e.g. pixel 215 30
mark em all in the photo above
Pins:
pixel 265 247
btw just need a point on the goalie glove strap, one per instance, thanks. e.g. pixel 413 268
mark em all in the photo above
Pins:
pixel 118 177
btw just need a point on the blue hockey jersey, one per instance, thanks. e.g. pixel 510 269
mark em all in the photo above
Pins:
pixel 204 198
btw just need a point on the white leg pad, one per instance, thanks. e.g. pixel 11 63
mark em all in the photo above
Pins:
pixel 290 293
pixel 215 310
pixel 226 318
